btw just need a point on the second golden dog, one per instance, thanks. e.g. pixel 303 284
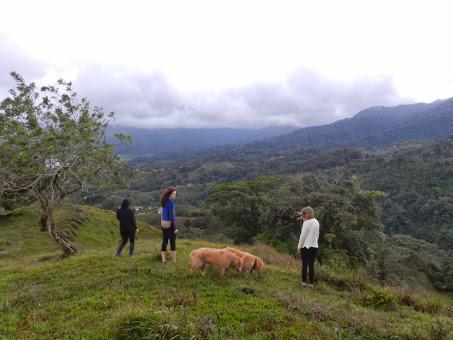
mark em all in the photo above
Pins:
pixel 220 258
pixel 249 262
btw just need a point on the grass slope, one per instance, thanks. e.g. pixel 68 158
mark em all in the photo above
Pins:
pixel 23 241
pixel 95 295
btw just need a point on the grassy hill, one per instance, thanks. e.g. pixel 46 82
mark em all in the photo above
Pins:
pixel 22 241
pixel 96 295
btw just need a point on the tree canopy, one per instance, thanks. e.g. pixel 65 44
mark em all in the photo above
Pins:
pixel 266 208
pixel 52 144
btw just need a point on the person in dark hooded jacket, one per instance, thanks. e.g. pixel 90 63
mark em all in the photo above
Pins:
pixel 128 227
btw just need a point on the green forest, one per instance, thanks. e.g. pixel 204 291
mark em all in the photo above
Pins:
pixel 397 198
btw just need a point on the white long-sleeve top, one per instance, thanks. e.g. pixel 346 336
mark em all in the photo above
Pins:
pixel 309 234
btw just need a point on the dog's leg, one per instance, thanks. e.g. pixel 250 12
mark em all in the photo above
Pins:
pixel 222 271
pixel 202 268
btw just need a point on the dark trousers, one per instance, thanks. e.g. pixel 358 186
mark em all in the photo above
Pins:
pixel 308 262
pixel 168 234
pixel 127 235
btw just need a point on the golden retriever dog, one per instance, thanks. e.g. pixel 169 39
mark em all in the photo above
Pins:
pixel 249 262
pixel 219 258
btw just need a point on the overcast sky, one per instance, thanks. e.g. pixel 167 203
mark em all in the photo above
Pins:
pixel 233 63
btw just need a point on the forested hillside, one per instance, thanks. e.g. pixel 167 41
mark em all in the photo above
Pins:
pixel 416 179
pixel 358 194
pixel 372 128
pixel 157 142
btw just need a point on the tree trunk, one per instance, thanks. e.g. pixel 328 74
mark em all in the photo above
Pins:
pixel 67 247
pixel 43 220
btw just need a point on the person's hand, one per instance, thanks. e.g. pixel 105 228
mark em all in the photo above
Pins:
pixel 136 230
pixel 176 231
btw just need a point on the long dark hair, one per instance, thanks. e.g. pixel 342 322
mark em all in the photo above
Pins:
pixel 125 204
pixel 166 195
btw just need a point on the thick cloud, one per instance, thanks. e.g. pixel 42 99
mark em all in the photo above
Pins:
pixel 12 58
pixel 306 98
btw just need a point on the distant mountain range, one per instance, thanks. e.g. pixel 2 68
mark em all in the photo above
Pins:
pixel 371 128
pixel 374 127
pixel 152 142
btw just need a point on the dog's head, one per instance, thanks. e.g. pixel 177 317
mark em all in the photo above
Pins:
pixel 258 264
pixel 238 263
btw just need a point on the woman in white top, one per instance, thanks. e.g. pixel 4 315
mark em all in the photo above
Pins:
pixel 308 243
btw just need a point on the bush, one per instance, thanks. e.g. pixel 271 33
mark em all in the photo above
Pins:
pixel 135 327
pixel 340 282
pixel 341 278
pixel 281 246
pixel 407 298
pixel 424 304
pixel 434 305
pixel 163 324
pixel 379 298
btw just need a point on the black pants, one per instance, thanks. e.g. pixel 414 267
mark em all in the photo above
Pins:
pixel 168 234
pixel 308 262
pixel 127 235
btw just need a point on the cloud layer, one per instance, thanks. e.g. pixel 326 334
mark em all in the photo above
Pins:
pixel 13 58
pixel 305 98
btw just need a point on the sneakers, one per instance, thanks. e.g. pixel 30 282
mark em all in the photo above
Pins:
pixel 309 285
pixel 303 284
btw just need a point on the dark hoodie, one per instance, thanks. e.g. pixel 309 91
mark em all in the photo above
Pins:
pixel 126 218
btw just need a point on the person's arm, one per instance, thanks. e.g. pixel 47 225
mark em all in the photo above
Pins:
pixel 171 211
pixel 317 231
pixel 133 221
pixel 303 236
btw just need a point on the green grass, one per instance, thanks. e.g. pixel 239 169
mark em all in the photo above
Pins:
pixel 95 295
pixel 22 240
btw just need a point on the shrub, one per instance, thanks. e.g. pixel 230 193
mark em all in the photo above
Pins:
pixel 407 298
pixel 162 324
pixel 424 304
pixel 342 280
pixel 135 327
pixel 434 305
pixel 379 298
